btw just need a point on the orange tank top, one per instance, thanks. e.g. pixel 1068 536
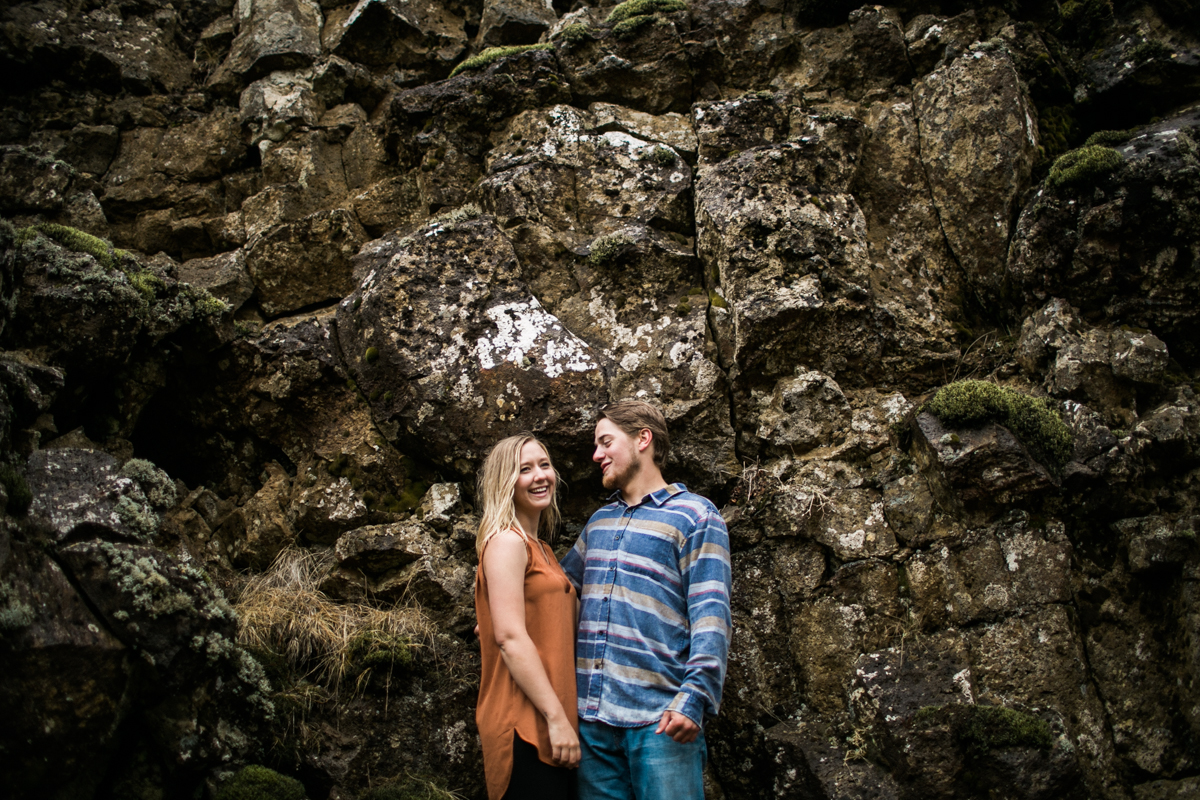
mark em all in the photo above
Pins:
pixel 503 708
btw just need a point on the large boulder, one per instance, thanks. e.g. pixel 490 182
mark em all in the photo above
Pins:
pixel 454 352
pixel 303 263
pixel 107 48
pixel 599 219
pixel 1118 241
pixel 423 38
pixel 641 62
pixel 84 493
pixel 978 142
pixel 272 35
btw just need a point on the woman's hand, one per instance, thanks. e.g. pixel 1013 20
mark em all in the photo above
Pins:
pixel 564 742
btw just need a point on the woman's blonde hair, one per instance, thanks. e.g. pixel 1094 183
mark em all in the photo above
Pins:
pixel 495 485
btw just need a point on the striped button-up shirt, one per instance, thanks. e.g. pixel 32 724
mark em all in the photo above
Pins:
pixel 654 624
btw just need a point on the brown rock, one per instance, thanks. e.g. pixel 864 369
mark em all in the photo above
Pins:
pixel 979 158
pixel 298 264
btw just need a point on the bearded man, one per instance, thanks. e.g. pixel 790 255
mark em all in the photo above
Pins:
pixel 653 574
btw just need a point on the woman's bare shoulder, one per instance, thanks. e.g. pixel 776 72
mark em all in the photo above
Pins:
pixel 507 540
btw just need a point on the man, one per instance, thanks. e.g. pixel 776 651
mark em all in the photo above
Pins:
pixel 653 574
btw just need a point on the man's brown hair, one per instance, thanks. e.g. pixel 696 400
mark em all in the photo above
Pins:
pixel 631 416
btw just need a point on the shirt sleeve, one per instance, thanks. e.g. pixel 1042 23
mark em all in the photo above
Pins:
pixel 574 561
pixel 707 577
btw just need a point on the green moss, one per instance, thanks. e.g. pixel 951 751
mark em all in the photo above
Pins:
pixel 77 240
pixel 660 155
pixel 574 34
pixel 260 783
pixel 605 250
pixel 626 29
pixel 372 648
pixel 695 291
pixel 683 309
pixel 456 215
pixel 372 355
pixel 411 496
pixel 1083 166
pixel 1149 50
pixel 388 396
pixel 1108 137
pixel 1033 420
pixel 715 299
pixel 15 486
pixel 1057 130
pixel 984 728
pixel 147 283
pixel 989 727
pixel 208 305
pixel 496 53
pixel 342 467
pixel 638 8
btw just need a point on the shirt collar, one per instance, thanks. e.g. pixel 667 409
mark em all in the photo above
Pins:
pixel 658 498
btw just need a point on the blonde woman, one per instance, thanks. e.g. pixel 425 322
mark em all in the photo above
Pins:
pixel 526 610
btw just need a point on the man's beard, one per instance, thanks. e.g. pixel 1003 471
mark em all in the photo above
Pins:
pixel 619 480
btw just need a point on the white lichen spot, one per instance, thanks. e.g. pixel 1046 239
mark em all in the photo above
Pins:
pixel 520 327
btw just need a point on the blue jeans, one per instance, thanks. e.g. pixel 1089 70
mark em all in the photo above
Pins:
pixel 639 764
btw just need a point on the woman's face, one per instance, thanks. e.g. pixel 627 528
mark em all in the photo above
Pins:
pixel 535 481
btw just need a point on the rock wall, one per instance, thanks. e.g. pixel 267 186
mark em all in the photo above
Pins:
pixel 914 286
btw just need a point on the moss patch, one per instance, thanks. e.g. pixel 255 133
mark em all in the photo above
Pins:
pixel 494 54
pixel 102 250
pixel 638 8
pixel 1108 137
pixel 660 155
pixel 626 29
pixel 574 34
pixel 260 783
pixel 1033 420
pixel 374 648
pixel 984 728
pixel 1057 130
pixel 19 496
pixel 1083 166
pixel 1149 50
pixel 605 250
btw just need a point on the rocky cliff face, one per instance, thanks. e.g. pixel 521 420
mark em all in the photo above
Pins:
pixel 914 285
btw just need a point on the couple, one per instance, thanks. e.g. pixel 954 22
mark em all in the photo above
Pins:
pixel 625 698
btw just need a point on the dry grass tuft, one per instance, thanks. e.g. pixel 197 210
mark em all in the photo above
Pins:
pixel 283 611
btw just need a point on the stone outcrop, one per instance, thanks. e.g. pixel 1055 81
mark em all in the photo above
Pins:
pixel 275 274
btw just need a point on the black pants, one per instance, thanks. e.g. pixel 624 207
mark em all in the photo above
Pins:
pixel 533 780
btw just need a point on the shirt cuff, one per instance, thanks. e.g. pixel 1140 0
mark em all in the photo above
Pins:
pixel 691 707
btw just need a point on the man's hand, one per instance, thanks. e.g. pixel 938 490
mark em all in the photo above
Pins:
pixel 678 727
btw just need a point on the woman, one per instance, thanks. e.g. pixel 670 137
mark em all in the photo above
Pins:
pixel 526 610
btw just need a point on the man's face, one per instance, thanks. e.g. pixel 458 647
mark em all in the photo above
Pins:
pixel 617 454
